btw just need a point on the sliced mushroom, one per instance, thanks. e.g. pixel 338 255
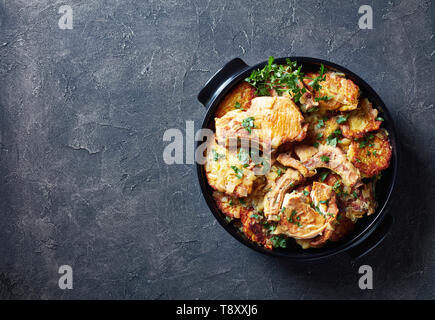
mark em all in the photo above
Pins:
pixel 324 199
pixel 273 199
pixel 305 152
pixel 287 160
pixel 298 219
pixel 334 159
pixel 337 231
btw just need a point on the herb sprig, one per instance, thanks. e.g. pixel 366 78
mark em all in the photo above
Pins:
pixel 279 77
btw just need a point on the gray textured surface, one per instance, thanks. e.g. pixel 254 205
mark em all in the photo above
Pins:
pixel 82 115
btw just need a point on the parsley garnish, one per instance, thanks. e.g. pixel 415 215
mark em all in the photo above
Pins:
pixel 366 140
pixel 281 78
pixel 290 219
pixel 279 242
pixel 323 175
pixel 337 186
pixel 255 216
pixel 248 124
pixel 324 159
pixel 217 156
pixel 269 227
pixel 341 119
pixel 324 98
pixel 279 172
pixel 314 83
pixel 331 140
pixel 318 210
pixel 239 172
pixel 314 109
pixel 320 123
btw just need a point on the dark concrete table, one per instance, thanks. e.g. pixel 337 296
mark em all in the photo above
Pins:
pixel 82 116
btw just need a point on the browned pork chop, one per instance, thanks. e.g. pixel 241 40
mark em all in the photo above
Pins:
pixel 271 121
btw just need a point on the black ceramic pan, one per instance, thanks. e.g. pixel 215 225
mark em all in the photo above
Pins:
pixel 369 231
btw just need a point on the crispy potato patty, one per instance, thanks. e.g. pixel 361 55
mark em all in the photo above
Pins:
pixel 238 98
pixel 361 121
pixel 343 93
pixel 371 154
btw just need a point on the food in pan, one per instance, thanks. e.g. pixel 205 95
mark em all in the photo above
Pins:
pixel 326 152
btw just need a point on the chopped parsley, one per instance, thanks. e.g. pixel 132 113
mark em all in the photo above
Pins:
pixel 324 98
pixel 217 156
pixel 324 159
pixel 342 119
pixel 331 140
pixel 318 210
pixel 305 192
pixel 337 187
pixel 269 227
pixel 239 172
pixel 380 119
pixel 321 123
pixel 279 171
pixel 366 141
pixel 255 216
pixel 278 77
pixel 323 175
pixel 314 83
pixel 314 109
pixel 279 242
pixel 291 219
pixel 248 124
pixel 238 106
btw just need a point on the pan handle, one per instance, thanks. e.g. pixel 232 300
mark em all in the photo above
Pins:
pixel 220 79
pixel 373 240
